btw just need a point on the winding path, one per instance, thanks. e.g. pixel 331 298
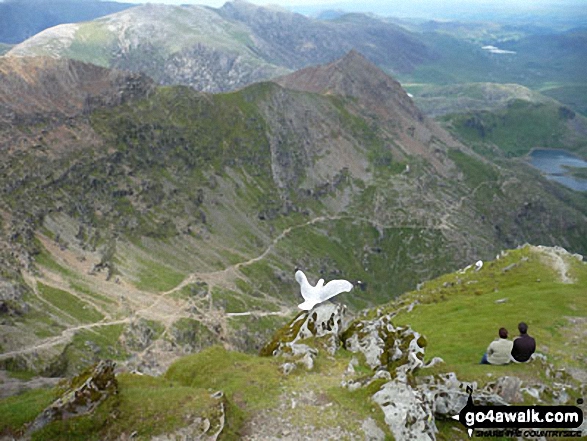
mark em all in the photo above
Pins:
pixel 152 309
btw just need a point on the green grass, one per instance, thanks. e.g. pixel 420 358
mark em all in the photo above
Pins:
pixel 460 319
pixel 518 128
pixel 46 260
pixel 146 405
pixel 154 276
pixel 104 344
pixel 249 381
pixel 93 43
pixel 475 171
pixel 87 291
pixel 573 95
pixel 70 304
pixel 17 410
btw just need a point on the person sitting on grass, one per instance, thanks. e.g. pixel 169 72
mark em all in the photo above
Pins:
pixel 524 345
pixel 499 351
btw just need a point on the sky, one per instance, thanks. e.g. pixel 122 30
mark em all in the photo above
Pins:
pixel 413 8
pixel 448 9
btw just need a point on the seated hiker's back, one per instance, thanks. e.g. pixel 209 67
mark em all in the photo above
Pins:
pixel 523 345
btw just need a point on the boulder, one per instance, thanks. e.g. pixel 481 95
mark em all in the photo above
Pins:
pixel 85 393
pixel 399 350
pixel 448 395
pixel 408 412
pixel 325 323
pixel 508 388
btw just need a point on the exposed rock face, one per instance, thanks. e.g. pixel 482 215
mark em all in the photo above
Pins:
pixel 326 322
pixel 48 89
pixel 11 300
pixel 81 399
pixel 395 349
pixel 407 412
pixel 410 404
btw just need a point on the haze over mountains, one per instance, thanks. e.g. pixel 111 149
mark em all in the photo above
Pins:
pixel 231 46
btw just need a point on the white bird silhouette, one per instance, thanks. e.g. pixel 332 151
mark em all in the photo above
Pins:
pixel 478 265
pixel 319 293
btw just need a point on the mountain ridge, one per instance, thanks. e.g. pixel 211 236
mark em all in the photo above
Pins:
pixel 222 49
pixel 177 215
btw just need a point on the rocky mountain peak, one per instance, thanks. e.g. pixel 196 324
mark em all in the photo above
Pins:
pixel 353 76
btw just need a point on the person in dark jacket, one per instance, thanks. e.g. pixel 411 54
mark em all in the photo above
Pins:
pixel 524 345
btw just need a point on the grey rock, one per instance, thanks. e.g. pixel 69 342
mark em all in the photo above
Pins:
pixel 408 412
pixel 386 346
pixel 433 362
pixel 372 431
pixel 352 364
pixel 81 400
pixel 509 388
pixel 287 368
pixel 307 361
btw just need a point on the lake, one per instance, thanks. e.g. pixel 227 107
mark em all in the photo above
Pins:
pixel 552 163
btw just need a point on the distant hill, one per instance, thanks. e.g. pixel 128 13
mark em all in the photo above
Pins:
pixel 436 101
pixel 240 43
pixel 21 19
pixel 226 48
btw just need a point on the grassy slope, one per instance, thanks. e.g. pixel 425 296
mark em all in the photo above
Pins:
pixel 254 386
pixel 519 127
pixel 437 101
pixel 533 293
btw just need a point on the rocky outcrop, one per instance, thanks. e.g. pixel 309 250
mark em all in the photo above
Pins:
pixel 85 393
pixel 323 324
pixel 410 404
pixel 399 350
pixel 35 90
pixel 11 299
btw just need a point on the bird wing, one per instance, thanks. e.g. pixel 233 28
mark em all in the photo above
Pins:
pixel 334 287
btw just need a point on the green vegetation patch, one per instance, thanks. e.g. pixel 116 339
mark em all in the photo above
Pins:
pixel 70 304
pixel 156 277
pixel 46 260
pixel 573 95
pixel 145 405
pixel 18 410
pixel 93 43
pixel 475 171
pixel 517 129
pixel 473 306
pixel 89 346
pixel 249 381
